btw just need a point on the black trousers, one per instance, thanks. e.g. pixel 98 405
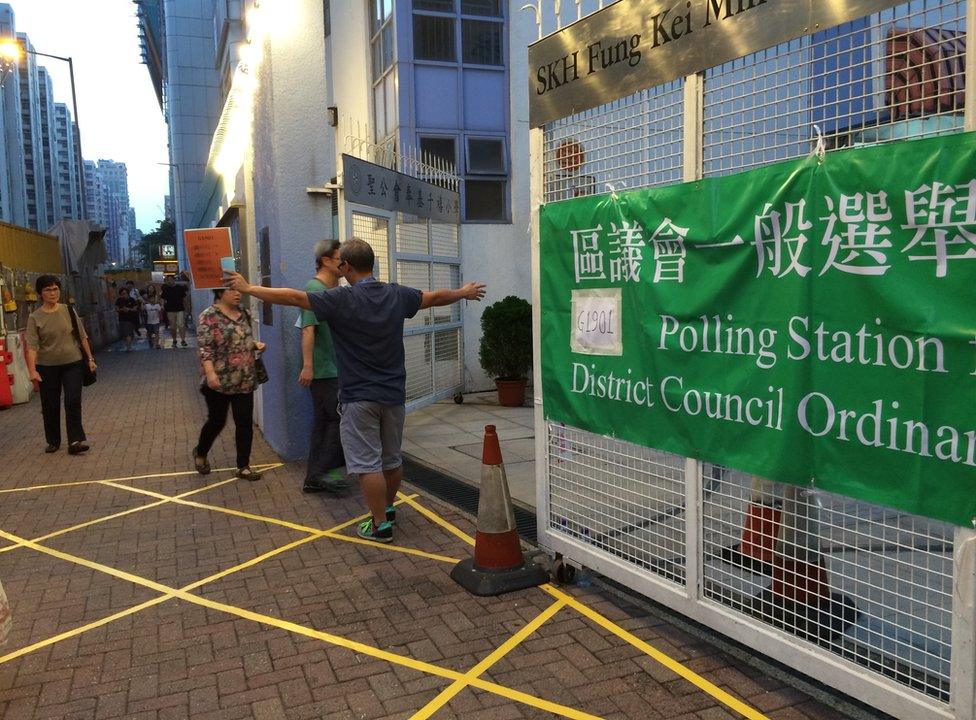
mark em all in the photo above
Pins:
pixel 242 406
pixel 54 378
pixel 324 450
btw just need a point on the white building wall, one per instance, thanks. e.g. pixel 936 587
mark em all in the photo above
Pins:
pixel 294 148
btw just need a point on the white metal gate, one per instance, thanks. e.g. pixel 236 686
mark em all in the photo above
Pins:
pixel 899 628
pixel 425 255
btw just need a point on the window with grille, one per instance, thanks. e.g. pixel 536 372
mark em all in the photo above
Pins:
pixel 433 38
pixel 440 148
pixel 440 27
pixel 382 54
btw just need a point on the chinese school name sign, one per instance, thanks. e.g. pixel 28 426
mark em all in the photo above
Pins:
pixel 810 322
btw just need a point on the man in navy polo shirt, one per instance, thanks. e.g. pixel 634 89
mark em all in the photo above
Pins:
pixel 366 318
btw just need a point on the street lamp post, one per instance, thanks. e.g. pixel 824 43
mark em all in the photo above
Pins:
pixel 12 51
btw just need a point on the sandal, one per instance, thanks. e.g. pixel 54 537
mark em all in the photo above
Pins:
pixel 200 463
pixel 246 473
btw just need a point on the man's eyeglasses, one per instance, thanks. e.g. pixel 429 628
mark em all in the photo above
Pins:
pixel 53 288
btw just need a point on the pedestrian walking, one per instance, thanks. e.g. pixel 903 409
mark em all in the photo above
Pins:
pixel 228 355
pixel 56 359
pixel 128 311
pixel 175 303
pixel 366 319
pixel 321 376
pixel 153 307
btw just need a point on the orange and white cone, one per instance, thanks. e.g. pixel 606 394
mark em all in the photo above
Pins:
pixel 757 546
pixel 800 599
pixel 498 565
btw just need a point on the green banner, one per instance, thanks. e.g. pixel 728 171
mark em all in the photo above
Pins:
pixel 812 322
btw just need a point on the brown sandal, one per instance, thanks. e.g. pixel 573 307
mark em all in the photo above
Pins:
pixel 200 463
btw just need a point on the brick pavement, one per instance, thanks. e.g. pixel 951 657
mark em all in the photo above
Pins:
pixel 324 628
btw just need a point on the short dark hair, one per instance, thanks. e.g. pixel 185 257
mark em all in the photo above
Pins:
pixel 358 254
pixel 45 281
pixel 325 248
pixel 218 293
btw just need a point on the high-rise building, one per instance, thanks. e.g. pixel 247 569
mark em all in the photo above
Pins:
pixel 94 193
pixel 107 192
pixel 41 175
pixel 30 114
pixel 48 150
pixel 67 170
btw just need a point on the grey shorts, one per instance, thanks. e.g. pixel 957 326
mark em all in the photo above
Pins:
pixel 371 435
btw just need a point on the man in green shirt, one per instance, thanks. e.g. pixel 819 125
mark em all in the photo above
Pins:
pixel 320 376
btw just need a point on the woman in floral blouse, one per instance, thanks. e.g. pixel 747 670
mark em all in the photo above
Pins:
pixel 227 354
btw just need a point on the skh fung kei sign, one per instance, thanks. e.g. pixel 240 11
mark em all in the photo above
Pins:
pixel 637 44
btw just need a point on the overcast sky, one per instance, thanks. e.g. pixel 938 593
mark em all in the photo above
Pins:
pixel 120 117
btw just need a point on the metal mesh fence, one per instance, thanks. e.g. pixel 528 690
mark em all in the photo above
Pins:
pixel 629 143
pixel 620 498
pixel 870 584
pixel 893 75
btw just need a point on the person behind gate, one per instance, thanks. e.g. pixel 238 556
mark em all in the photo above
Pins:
pixel 320 375
pixel 366 319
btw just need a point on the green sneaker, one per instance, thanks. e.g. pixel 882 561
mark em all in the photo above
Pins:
pixel 391 514
pixel 383 533
pixel 335 481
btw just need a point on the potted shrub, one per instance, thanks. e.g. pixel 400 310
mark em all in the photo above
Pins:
pixel 506 347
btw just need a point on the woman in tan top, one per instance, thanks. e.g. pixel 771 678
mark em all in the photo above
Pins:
pixel 55 360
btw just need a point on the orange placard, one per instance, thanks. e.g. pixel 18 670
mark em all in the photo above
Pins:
pixel 204 248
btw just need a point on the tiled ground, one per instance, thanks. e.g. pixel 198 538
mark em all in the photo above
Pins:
pixel 298 623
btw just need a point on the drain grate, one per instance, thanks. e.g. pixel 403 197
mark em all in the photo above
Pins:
pixel 462 495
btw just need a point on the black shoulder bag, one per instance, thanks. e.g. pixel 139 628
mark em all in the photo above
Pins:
pixel 89 376
pixel 260 370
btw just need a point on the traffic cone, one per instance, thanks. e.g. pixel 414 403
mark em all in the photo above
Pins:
pixel 757 546
pixel 799 599
pixel 498 565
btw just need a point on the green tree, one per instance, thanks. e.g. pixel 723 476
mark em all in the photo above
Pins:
pixel 148 248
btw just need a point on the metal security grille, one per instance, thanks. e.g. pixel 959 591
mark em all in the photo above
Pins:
pixel 870 584
pixel 624 499
pixel 893 75
pixel 875 602
pixel 629 143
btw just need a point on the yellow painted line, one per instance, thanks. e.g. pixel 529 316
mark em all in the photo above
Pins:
pixel 390 657
pixel 216 508
pixel 669 662
pixel 91 564
pixel 123 513
pixel 264 467
pixel 250 563
pixel 79 526
pixel 168 592
pixel 277 551
pixel 501 651
pixel 435 518
pixel 391 546
pixel 83 629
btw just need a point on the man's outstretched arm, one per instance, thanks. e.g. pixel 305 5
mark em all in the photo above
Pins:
pixel 438 298
pixel 276 296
